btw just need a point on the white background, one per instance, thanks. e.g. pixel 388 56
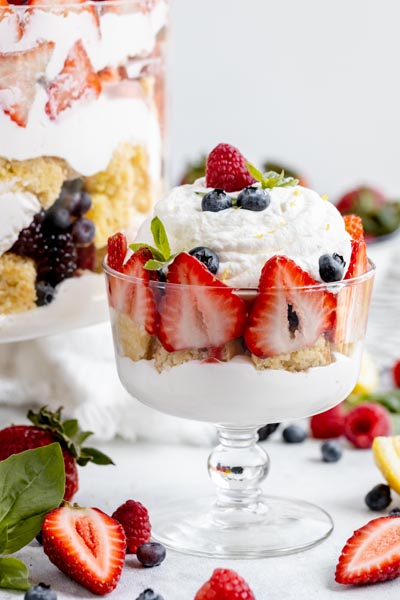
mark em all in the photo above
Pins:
pixel 312 83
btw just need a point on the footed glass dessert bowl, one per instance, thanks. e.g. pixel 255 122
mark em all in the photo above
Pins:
pixel 195 348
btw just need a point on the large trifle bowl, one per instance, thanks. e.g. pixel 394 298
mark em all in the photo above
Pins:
pixel 192 345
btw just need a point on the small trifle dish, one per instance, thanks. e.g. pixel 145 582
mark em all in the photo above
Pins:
pixel 81 129
pixel 243 301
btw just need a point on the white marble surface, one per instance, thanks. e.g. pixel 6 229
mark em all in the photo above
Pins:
pixel 154 473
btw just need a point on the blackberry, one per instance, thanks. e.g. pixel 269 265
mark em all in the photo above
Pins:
pixel 57 259
pixel 266 431
pixel 30 240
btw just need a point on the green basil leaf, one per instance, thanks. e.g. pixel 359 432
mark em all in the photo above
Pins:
pixel 31 484
pixel 160 237
pixel 13 574
pixel 156 253
pixel 3 540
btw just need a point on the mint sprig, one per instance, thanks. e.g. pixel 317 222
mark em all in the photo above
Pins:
pixel 161 251
pixel 271 179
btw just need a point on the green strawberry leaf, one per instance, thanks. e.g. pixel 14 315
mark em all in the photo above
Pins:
pixel 156 253
pixel 31 484
pixel 13 574
pixel 160 237
pixel 95 456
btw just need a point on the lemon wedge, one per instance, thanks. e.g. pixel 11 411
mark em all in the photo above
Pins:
pixel 368 380
pixel 386 451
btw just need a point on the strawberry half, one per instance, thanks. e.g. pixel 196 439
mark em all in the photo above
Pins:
pixel 358 259
pixel 117 248
pixel 283 317
pixel 372 553
pixel 87 545
pixel 19 74
pixel 201 313
pixel 76 81
pixel 135 298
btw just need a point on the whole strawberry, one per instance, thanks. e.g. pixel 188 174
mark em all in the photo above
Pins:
pixel 134 518
pixel 48 428
pixel 226 169
pixel 225 585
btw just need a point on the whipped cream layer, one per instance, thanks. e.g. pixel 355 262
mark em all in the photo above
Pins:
pixel 85 135
pixel 298 223
pixel 243 395
pixel 17 210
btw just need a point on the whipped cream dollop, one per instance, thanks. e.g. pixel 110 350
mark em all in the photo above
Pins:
pixel 298 223
pixel 17 210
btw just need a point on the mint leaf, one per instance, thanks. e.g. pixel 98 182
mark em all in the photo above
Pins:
pixel 255 172
pixel 13 574
pixel 271 179
pixel 31 484
pixel 160 237
pixel 154 265
pixel 156 253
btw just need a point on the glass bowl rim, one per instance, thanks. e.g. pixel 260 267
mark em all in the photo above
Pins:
pixel 50 6
pixel 326 287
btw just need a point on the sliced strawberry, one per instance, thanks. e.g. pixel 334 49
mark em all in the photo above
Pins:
pixel 354 226
pixel 110 75
pixel 76 81
pixel 283 317
pixel 358 260
pixel 87 545
pixel 372 553
pixel 66 6
pixel 117 248
pixel 202 313
pixel 19 74
pixel 135 298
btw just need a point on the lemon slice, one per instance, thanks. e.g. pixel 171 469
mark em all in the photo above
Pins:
pixel 368 380
pixel 386 452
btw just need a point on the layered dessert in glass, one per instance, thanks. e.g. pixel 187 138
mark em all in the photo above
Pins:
pixel 81 124
pixel 242 301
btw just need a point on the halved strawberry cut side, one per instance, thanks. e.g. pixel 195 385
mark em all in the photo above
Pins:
pixel 358 259
pixel 199 311
pixel 76 81
pixel 372 553
pixel 284 317
pixel 87 545
pixel 135 298
pixel 19 74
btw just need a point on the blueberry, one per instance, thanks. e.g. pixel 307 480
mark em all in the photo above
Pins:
pixel 83 206
pixel 39 538
pixel 331 451
pixel 44 293
pixel 379 497
pixel 215 201
pixel 266 431
pixel 41 591
pixel 395 512
pixel 294 434
pixel 57 218
pixel 151 554
pixel 253 198
pixel 149 595
pixel 70 201
pixel 331 267
pixel 162 275
pixel 207 257
pixel 83 231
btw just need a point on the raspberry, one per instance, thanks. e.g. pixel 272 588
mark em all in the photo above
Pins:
pixel 134 518
pixel 57 259
pixel 225 585
pixel 329 424
pixel 30 240
pixel 226 169
pixel 396 373
pixel 365 422
pixel 117 248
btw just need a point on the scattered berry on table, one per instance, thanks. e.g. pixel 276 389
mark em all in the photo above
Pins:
pixel 366 422
pixel 266 431
pixel 44 293
pixel 253 198
pixel 328 424
pixel 207 257
pixel 151 554
pixel 215 201
pixel 117 247
pixel 294 434
pixel 372 553
pixel 331 267
pixel 83 231
pixel 134 518
pixel 149 595
pixel 331 451
pixel 86 545
pixel 41 591
pixel 395 512
pixel 379 497
pixel 226 169
pixel 225 584
pixel 396 373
